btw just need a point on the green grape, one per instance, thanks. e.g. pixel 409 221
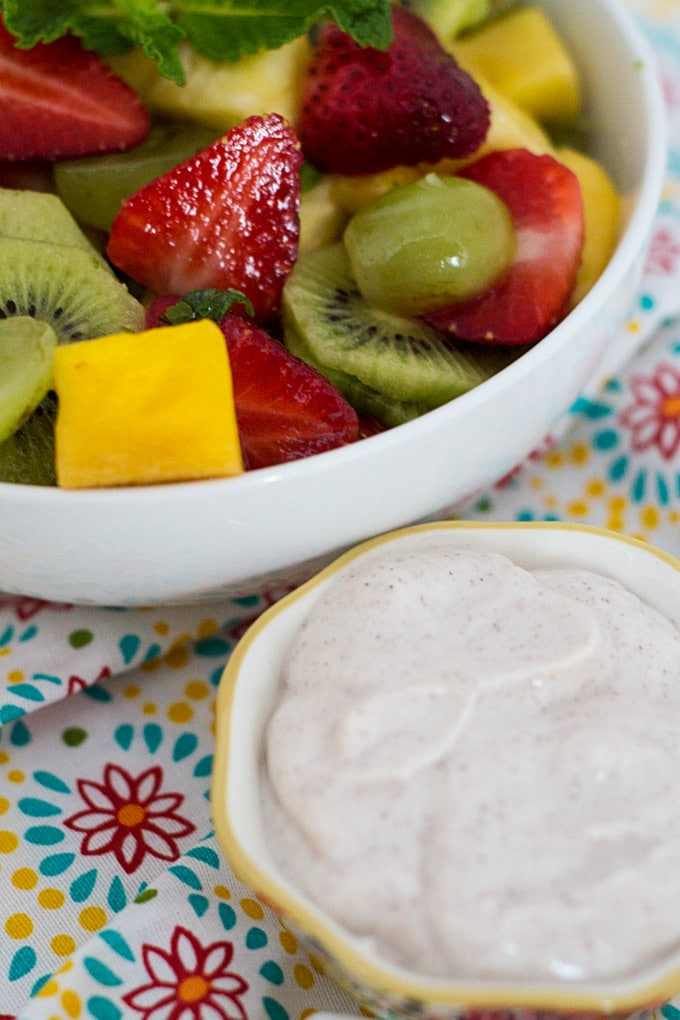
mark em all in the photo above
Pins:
pixel 428 244
pixel 93 188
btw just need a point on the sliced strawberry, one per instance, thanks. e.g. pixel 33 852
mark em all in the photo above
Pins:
pixel 365 110
pixel 285 409
pixel 59 100
pixel 225 218
pixel 544 199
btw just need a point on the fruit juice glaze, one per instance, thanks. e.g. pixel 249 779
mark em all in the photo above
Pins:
pixel 399 780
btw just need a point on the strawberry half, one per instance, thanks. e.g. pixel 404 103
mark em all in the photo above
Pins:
pixel 544 199
pixel 227 218
pixel 59 101
pixel 364 110
pixel 285 409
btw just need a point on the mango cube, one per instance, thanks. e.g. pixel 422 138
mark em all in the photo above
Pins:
pixel 141 408
pixel 522 55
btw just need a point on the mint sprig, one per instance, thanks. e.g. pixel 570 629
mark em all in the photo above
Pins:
pixel 222 30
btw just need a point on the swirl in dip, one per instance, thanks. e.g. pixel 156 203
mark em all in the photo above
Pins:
pixel 474 767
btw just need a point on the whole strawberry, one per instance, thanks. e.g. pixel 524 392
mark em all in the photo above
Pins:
pixel 364 110
pixel 225 218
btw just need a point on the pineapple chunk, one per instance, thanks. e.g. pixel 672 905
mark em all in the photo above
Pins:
pixel 351 193
pixel 221 94
pixel 139 408
pixel 322 219
pixel 522 55
pixel 511 126
pixel 602 209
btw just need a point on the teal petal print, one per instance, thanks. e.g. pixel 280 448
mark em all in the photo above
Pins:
pixel 199 903
pixel 118 944
pixel 274 1009
pixel 123 736
pixel 153 737
pixel 101 973
pixel 44 835
pixel 184 746
pixel 56 864
pixel 51 782
pixel 129 646
pixel 116 898
pixel 81 888
pixel 23 962
pixel 100 1008
pixel 36 808
pixel 186 875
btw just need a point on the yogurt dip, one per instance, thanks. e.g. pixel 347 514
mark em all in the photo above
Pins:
pixel 474 767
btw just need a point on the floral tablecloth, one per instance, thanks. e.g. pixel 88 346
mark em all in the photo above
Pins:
pixel 115 899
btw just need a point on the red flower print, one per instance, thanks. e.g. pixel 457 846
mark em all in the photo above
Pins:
pixel 654 416
pixel 77 683
pixel 669 87
pixel 663 255
pixel 25 608
pixel 130 817
pixel 189 982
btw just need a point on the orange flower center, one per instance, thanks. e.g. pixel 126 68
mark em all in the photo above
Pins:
pixel 671 406
pixel 130 815
pixel 193 988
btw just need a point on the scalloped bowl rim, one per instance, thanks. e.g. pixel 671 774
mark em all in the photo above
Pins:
pixel 618 555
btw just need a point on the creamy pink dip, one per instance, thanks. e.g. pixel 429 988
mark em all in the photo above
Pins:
pixel 475 767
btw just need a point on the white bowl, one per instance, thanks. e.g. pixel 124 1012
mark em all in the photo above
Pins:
pixel 191 541
pixel 250 691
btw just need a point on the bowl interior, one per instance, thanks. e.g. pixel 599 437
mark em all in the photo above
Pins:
pixel 245 701
pixel 203 540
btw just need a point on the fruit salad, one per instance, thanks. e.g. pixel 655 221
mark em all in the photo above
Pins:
pixel 373 214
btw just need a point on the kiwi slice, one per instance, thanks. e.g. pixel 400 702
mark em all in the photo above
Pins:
pixel 94 187
pixel 328 322
pixel 26 357
pixel 27 457
pixel 40 216
pixel 67 287
pixel 363 398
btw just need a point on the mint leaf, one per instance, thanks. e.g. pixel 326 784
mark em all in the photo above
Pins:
pixel 249 26
pixel 369 24
pixel 112 26
pixel 222 30
pixel 206 304
pixel 36 22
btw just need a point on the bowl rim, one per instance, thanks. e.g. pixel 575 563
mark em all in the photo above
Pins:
pixel 653 985
pixel 633 235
